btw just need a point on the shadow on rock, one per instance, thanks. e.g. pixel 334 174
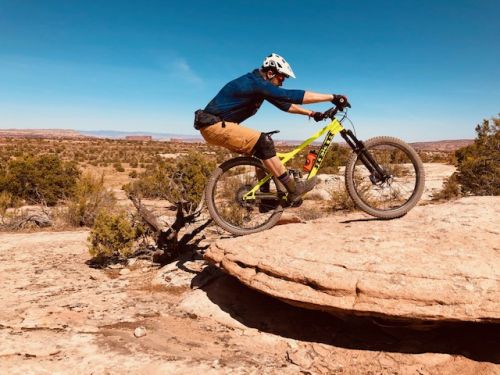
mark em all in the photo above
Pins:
pixel 476 341
pixel 368 219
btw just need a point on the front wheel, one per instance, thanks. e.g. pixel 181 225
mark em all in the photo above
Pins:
pixel 400 186
pixel 228 202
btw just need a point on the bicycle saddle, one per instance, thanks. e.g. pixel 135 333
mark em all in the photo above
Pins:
pixel 273 132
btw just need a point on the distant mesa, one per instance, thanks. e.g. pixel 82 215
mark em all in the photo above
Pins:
pixel 441 146
pixel 42 133
pixel 92 134
pixel 139 138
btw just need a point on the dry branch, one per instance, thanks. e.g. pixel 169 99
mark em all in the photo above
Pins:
pixel 167 237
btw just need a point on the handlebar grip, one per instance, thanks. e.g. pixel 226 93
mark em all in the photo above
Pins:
pixel 330 113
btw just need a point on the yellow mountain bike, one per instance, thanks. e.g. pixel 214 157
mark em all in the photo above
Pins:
pixel 384 176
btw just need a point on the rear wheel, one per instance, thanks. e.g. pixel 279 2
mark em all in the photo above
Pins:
pixel 401 187
pixel 226 201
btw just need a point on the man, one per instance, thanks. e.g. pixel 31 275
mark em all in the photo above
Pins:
pixel 219 123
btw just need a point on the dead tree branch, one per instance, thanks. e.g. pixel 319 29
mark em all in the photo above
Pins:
pixel 167 236
pixel 145 214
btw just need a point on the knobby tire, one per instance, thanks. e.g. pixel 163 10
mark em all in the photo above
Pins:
pixel 215 205
pixel 352 174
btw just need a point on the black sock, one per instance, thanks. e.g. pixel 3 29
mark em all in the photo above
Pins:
pixel 284 178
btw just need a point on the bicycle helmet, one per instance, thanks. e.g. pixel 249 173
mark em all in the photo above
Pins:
pixel 279 63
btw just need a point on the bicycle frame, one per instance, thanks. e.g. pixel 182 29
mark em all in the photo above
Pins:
pixel 332 129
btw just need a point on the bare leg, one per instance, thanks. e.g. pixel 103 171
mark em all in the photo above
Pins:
pixel 295 189
pixel 275 166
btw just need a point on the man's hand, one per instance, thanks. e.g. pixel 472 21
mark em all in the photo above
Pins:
pixel 317 116
pixel 340 101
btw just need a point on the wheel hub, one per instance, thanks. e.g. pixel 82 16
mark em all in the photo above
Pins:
pixel 240 193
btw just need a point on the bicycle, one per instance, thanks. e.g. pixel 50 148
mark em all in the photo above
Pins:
pixel 384 177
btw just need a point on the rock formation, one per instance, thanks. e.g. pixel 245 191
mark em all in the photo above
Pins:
pixel 439 262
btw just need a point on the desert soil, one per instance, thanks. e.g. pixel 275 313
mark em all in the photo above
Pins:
pixel 59 315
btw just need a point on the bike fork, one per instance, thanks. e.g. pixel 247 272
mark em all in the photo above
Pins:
pixel 377 174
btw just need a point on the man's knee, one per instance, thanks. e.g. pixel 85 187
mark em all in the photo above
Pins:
pixel 264 148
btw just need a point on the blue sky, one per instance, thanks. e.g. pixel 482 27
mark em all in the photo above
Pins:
pixel 419 70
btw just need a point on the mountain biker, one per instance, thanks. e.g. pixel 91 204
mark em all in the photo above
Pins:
pixel 219 123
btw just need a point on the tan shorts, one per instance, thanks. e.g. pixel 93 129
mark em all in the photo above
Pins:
pixel 232 136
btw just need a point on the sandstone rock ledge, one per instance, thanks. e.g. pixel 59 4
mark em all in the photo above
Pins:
pixel 439 262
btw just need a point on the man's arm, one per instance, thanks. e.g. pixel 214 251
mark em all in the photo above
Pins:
pixel 314 97
pixel 297 109
pixel 309 97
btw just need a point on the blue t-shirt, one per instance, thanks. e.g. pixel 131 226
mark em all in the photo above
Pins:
pixel 242 97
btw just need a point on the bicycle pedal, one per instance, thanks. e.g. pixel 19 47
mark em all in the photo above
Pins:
pixel 297 203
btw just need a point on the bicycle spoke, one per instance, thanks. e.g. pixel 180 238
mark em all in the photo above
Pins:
pixel 232 206
pixel 397 190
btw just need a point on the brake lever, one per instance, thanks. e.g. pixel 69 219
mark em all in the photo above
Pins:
pixel 330 113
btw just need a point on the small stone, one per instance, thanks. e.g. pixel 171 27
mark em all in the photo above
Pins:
pixel 124 271
pixel 140 331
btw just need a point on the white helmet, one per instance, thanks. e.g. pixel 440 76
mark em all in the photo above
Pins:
pixel 279 63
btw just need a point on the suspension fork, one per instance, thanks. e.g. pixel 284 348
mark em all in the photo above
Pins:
pixel 359 148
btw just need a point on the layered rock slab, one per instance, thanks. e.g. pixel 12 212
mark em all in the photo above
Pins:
pixel 439 262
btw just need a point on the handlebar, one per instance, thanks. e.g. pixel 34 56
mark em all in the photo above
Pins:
pixel 340 104
pixel 330 113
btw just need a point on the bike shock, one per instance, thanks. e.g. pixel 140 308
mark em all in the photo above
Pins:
pixel 377 174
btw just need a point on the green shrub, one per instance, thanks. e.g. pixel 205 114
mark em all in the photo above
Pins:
pixel 336 157
pixel 478 165
pixel 118 167
pixel 451 189
pixel 341 200
pixel 182 180
pixel 89 197
pixel 113 235
pixel 7 200
pixel 39 179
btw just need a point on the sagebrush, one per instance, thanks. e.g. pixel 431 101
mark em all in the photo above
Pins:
pixel 478 165
pixel 113 235
pixel 89 197
pixel 43 179
pixel 182 180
